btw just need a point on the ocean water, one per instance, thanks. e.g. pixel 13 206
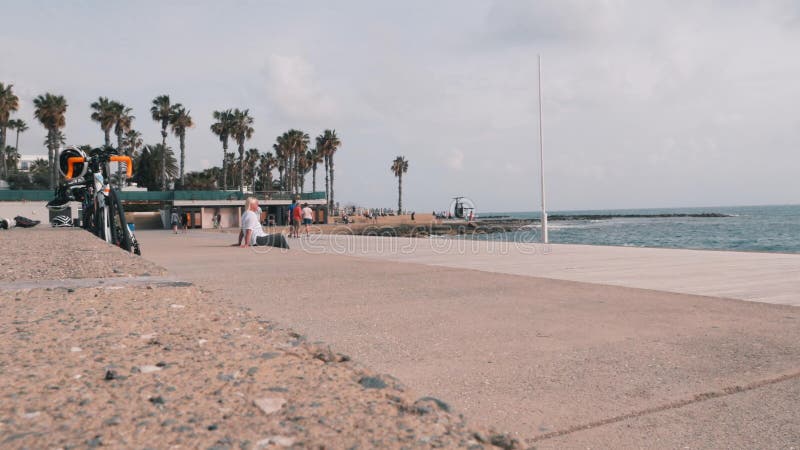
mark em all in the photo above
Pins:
pixel 749 228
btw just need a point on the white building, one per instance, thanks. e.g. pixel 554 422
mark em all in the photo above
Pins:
pixel 25 162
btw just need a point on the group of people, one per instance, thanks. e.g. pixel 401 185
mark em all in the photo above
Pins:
pixel 178 220
pixel 299 214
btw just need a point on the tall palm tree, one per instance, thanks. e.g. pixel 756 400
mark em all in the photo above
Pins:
pixel 104 115
pixel 51 112
pixel 122 120
pixel 20 126
pixel 162 111
pixel 230 163
pixel 266 163
pixel 329 143
pixel 251 163
pixel 9 103
pixel 132 142
pixel 222 128
pixel 399 167
pixel 241 131
pixel 307 164
pixel 180 121
pixel 315 158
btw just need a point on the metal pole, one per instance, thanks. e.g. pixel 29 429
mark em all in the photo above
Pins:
pixel 541 156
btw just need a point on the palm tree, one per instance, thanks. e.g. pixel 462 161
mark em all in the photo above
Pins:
pixel 251 167
pixel 122 120
pixel 9 102
pixel 51 112
pixel 315 157
pixel 266 163
pixel 180 121
pixel 329 143
pixel 148 165
pixel 12 158
pixel 162 111
pixel 230 163
pixel 222 128
pixel 104 115
pixel 399 167
pixel 132 142
pixel 241 130
pixel 20 126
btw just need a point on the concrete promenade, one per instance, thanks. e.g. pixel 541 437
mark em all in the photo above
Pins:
pixel 557 345
pixel 763 277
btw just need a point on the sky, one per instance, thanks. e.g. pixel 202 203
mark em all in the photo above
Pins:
pixel 645 103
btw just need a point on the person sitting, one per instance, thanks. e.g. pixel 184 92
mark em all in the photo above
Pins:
pixel 252 234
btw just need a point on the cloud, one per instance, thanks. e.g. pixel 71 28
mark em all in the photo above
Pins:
pixel 292 87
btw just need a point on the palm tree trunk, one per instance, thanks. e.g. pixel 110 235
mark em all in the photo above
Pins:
pixel 50 150
pixel 107 135
pixel 241 166
pixel 332 201
pixel 399 193
pixel 224 165
pixel 314 178
pixel 164 158
pixel 3 151
pixel 327 172
pixel 182 138
pixel 17 146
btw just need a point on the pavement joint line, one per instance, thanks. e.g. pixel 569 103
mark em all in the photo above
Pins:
pixel 697 398
pixel 79 283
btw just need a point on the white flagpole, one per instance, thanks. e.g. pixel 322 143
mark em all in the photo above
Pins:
pixel 541 156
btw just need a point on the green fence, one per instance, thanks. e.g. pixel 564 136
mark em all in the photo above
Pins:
pixel 25 195
pixel 159 196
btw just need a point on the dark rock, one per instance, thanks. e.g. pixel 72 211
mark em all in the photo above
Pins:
pixel 504 441
pixel 156 400
pixel 97 441
pixel 212 427
pixel 372 383
pixel 439 404
pixel 110 375
pixel 252 371
pixel 270 355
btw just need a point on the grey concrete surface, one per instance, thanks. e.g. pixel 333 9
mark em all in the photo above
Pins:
pixel 765 277
pixel 559 363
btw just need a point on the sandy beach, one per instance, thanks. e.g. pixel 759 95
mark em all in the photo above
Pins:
pixel 101 348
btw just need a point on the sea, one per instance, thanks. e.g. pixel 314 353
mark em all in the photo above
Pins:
pixel 743 228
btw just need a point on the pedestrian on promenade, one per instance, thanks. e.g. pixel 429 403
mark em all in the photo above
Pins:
pixel 297 218
pixel 174 219
pixel 308 216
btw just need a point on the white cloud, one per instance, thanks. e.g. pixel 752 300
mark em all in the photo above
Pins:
pixel 293 89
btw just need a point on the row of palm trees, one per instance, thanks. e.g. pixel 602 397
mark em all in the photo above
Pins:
pixel 292 158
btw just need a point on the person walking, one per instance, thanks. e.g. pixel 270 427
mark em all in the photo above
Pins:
pixel 308 216
pixel 174 219
pixel 297 217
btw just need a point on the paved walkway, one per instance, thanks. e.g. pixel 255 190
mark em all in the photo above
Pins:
pixel 763 277
pixel 560 363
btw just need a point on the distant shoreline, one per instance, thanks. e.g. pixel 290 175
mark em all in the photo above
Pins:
pixel 602 216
